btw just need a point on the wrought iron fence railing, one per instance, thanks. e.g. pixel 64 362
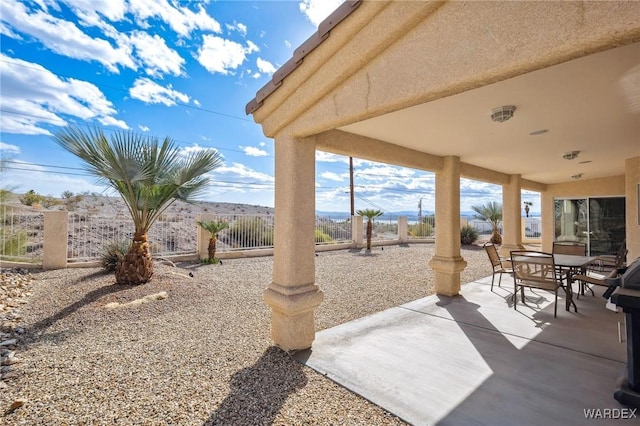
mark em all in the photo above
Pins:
pixel 21 234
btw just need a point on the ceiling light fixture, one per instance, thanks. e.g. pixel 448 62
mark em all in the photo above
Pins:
pixel 570 155
pixel 502 113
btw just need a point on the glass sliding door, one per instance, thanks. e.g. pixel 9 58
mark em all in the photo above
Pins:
pixel 598 222
pixel 606 224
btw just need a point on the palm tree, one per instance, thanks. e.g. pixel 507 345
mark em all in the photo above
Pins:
pixel 148 174
pixel 370 214
pixel 214 227
pixel 491 212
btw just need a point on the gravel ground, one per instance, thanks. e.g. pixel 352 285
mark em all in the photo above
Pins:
pixel 202 355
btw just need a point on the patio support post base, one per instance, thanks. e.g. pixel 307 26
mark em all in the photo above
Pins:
pixel 292 308
pixel 447 271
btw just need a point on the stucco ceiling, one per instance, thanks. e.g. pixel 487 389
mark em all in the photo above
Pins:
pixel 591 105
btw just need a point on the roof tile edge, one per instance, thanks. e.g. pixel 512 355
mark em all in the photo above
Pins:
pixel 324 29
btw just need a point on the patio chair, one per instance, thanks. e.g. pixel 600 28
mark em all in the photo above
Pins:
pixel 497 263
pixel 595 278
pixel 607 261
pixel 573 248
pixel 534 270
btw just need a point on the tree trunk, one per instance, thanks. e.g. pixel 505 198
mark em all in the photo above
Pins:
pixel 136 267
pixel 369 232
pixel 496 238
pixel 212 248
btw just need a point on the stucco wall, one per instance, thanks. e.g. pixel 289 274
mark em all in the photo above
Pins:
pixel 602 187
pixel 430 50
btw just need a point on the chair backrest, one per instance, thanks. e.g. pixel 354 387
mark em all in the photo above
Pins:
pixel 492 252
pixel 574 248
pixel 620 259
pixel 534 269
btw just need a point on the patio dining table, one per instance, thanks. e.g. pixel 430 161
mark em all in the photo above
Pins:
pixel 570 264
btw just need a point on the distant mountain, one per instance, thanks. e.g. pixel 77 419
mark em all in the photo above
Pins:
pixel 395 214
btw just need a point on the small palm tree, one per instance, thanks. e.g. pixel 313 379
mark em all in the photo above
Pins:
pixel 148 174
pixel 214 227
pixel 370 214
pixel 491 212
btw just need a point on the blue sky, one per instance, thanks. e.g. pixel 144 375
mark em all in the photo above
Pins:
pixel 178 68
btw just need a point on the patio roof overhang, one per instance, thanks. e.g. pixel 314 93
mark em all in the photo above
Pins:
pixel 414 84
pixel 430 80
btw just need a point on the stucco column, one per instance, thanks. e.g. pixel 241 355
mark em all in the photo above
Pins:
pixel 202 235
pixel 357 231
pixel 511 217
pixel 403 229
pixel 292 295
pixel 447 262
pixel 54 254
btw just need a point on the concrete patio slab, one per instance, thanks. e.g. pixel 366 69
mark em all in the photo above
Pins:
pixel 474 360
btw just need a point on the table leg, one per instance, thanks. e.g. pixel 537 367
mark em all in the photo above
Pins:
pixel 569 292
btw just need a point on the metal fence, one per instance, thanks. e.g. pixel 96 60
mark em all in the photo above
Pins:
pixel 245 232
pixel 420 227
pixel 332 231
pixel 21 234
pixel 91 235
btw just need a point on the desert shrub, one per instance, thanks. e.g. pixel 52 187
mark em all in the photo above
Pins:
pixel 250 232
pixel 30 198
pixel 13 242
pixel 423 229
pixel 468 235
pixel 322 237
pixel 113 252
pixel 48 202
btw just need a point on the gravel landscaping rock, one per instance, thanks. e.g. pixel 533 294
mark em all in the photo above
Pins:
pixel 201 355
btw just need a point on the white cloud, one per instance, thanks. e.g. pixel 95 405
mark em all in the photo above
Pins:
pixel 262 143
pixel 196 102
pixel 182 20
pixel 110 121
pixel 237 26
pixel 241 173
pixel 4 30
pixel 12 149
pixel 287 43
pixel 33 96
pixel 64 37
pixel 195 148
pixel 90 11
pixel 317 10
pixel 327 157
pixel 265 67
pixel 221 55
pixel 143 128
pixel 253 151
pixel 333 176
pixel 45 182
pixel 152 93
pixel 156 55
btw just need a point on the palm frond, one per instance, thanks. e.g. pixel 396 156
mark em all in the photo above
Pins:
pixel 149 174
